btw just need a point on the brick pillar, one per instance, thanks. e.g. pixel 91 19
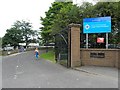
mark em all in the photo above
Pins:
pixel 74 45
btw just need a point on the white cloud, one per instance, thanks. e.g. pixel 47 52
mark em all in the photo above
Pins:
pixel 79 2
pixel 12 10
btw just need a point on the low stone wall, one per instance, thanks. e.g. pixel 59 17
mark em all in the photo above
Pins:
pixel 100 57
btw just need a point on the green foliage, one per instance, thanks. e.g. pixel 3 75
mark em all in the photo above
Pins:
pixel 25 28
pixel 68 14
pixel 57 18
pixel 110 9
pixel 18 33
pixel 48 21
pixel 12 37
pixel 61 14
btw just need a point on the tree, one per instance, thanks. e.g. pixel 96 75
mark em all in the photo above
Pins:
pixel 20 32
pixel 12 37
pixel 26 30
pixel 48 21
pixel 67 15
pixel 61 14
pixel 58 17
pixel 35 37
pixel 102 9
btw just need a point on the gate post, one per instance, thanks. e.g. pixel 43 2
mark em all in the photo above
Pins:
pixel 74 45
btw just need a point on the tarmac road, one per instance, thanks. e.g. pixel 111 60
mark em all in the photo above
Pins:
pixel 23 71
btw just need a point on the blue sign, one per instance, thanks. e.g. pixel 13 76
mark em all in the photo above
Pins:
pixel 97 25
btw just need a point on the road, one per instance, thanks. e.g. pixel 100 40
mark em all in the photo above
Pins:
pixel 23 71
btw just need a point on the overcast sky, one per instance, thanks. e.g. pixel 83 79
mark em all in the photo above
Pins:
pixel 28 10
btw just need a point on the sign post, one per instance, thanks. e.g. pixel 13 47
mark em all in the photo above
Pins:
pixel 97 25
pixel 106 40
pixel 87 41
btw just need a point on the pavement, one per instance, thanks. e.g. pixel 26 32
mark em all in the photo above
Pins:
pixel 106 71
pixel 23 71
pixel 111 72
pixel 96 70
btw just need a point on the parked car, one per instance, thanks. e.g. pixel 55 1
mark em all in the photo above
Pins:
pixel 118 46
pixel 8 48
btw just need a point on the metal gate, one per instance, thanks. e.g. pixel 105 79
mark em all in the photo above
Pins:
pixel 61 47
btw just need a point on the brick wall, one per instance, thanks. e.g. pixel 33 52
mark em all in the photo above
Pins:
pixel 117 63
pixel 78 57
pixel 74 43
pixel 111 57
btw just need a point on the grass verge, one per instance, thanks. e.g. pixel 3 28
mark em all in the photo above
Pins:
pixel 48 56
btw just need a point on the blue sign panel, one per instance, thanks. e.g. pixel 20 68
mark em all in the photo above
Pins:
pixel 97 25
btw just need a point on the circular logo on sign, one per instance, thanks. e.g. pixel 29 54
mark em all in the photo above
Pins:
pixel 87 26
